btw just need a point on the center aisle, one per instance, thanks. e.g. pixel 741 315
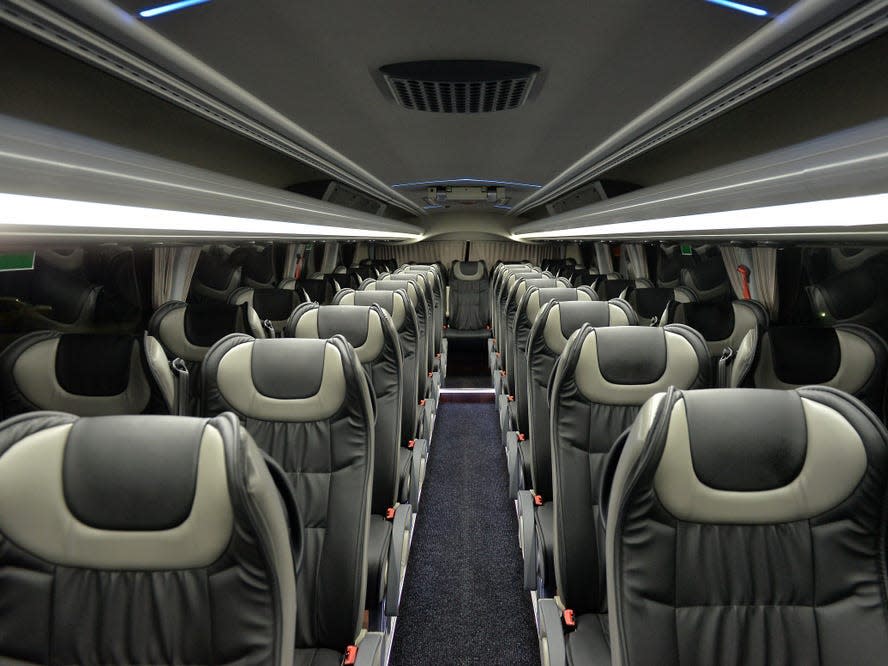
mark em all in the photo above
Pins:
pixel 463 601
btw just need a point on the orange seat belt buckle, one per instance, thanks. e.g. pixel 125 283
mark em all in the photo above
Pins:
pixel 744 277
pixel 511 398
pixel 411 443
pixel 390 513
pixel 568 621
pixel 538 500
pixel 521 436
pixel 422 403
pixel 351 656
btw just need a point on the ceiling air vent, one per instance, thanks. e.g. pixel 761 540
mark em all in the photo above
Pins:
pixel 460 86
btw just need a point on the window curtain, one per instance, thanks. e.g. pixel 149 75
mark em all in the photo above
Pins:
pixel 635 260
pixel 173 270
pixel 331 257
pixel 449 251
pixel 604 262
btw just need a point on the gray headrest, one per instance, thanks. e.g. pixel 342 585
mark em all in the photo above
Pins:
pixel 189 330
pixel 366 327
pixel 559 320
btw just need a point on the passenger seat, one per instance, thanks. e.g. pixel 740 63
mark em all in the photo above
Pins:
pixel 86 375
pixel 745 527
pixel 272 306
pixel 652 304
pixel 144 540
pixel 307 404
pixel 469 296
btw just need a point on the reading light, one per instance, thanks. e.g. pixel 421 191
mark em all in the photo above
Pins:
pixel 826 216
pixel 31 215
pixel 170 7
pixel 746 9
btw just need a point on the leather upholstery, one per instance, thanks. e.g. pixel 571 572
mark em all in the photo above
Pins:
pixel 707 280
pixel 722 323
pixel 433 276
pixel 181 554
pixel 796 576
pixel 325 445
pixel 85 374
pixel 469 295
pixel 600 383
pixel 270 304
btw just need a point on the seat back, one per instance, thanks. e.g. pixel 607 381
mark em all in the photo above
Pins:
pixel 652 304
pixel 403 315
pixel 855 296
pixel 847 357
pixel 748 526
pixel 469 295
pixel 513 302
pixel 188 330
pixel 615 286
pixel 563 312
pixel 215 278
pixel 708 280
pixel 307 404
pixel 723 324
pixel 501 321
pixel 85 374
pixel 370 330
pixel 142 539
pixel 317 290
pixel 603 378
pixel 424 285
pixel 436 280
pixel 273 305
pixel 496 276
pixel 501 290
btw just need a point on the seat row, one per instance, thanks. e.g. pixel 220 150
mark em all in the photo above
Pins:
pixel 589 371
pixel 331 406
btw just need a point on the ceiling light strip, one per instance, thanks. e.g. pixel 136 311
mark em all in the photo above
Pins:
pixel 171 7
pixel 260 123
pixel 809 217
pixel 740 7
pixel 683 109
pixel 24 215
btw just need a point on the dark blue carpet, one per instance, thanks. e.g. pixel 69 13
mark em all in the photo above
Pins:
pixel 463 600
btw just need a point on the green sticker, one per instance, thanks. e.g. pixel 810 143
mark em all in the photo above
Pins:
pixel 17 261
pixel 687 250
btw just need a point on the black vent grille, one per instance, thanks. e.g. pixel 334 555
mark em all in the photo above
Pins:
pixel 460 86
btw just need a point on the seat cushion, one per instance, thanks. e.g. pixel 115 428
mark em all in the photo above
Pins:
pixel 377 557
pixel 589 643
pixel 545 531
pixel 320 657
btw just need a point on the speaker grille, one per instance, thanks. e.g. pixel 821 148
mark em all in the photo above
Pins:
pixel 460 86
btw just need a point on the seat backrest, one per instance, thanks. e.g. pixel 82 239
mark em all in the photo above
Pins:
pixel 307 404
pixel 258 264
pixel 403 315
pixel 317 290
pixel 428 302
pixel 188 330
pixel 496 276
pixel 847 357
pixel 513 302
pixel 502 291
pixel 855 296
pixel 85 374
pixel 215 277
pixel 370 330
pixel 420 305
pixel 469 295
pixel 708 280
pixel 562 313
pixel 723 324
pixel 500 321
pixel 603 378
pixel 142 539
pixel 748 527
pixel 652 304
pixel 615 286
pixel 273 305
pixel 436 283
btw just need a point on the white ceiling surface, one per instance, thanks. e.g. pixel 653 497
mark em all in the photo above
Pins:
pixel 602 64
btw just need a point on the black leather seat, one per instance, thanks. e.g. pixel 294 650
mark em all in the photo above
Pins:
pixel 143 540
pixel 603 378
pixel 856 296
pixel 272 305
pixel 424 284
pixel 215 278
pixel 433 275
pixel 653 304
pixel 308 405
pixel 733 539
pixel 372 334
pixel 318 290
pixel 469 296
pixel 848 357
pixel 559 318
pixel 614 285
pixel 86 374
pixel 708 280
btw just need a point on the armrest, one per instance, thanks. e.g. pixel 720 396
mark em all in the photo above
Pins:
pixel 504 405
pixel 417 470
pixel 183 387
pixel 370 648
pixel 399 545
pixel 552 650
pixel 527 537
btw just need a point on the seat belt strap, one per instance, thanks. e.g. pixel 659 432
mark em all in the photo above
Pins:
pixel 724 367
pixel 183 387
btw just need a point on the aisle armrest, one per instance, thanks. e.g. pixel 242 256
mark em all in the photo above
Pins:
pixel 399 545
pixel 527 537
pixel 370 649
pixel 417 471
pixel 515 462
pixel 552 649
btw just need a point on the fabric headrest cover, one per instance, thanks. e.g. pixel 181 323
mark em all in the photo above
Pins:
pixel 732 451
pixel 138 479
pixel 94 365
pixel 207 323
pixel 804 355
